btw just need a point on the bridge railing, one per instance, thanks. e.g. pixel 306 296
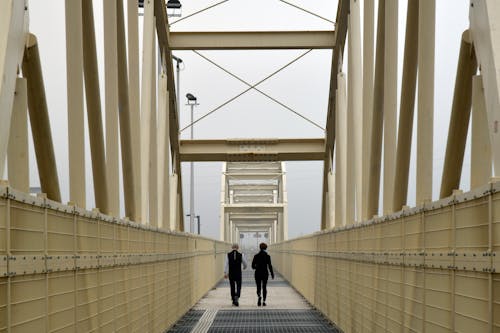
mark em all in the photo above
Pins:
pixel 63 268
pixel 431 268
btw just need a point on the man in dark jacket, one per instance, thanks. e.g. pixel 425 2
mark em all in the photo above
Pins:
pixel 261 262
pixel 232 269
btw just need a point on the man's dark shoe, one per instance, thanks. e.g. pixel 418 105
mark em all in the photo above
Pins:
pixel 263 303
pixel 258 302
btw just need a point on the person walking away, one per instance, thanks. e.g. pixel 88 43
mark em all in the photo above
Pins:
pixel 261 263
pixel 232 270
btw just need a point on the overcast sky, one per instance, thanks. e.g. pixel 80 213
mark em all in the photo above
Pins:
pixel 303 86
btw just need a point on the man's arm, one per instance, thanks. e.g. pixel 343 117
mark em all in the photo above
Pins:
pixel 244 261
pixel 254 264
pixel 226 267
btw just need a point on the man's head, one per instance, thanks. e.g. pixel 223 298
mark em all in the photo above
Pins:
pixel 235 246
pixel 263 246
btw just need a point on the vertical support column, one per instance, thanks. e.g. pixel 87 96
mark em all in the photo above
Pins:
pixel 163 154
pixel 12 40
pixel 111 105
pixel 18 166
pixel 153 145
pixel 94 116
pixel 134 94
pixel 355 114
pixel 284 195
pixel 460 115
pixel 39 119
pixel 146 106
pixel 341 154
pixel 484 17
pixel 125 126
pixel 231 231
pixel 390 101
pixel 223 221
pixel 174 205
pixel 377 118
pixel 480 171
pixel 74 75
pixel 368 26
pixel 425 129
pixel 331 200
pixel 407 107
pixel 227 228
pixel 275 227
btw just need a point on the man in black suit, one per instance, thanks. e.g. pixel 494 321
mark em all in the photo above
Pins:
pixel 232 269
pixel 261 262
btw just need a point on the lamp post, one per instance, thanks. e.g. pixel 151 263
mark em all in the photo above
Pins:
pixel 191 101
pixel 174 8
pixel 178 61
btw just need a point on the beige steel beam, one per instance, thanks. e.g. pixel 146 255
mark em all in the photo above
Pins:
pixel 425 128
pixel 368 26
pixel 13 28
pixel 39 119
pixel 111 105
pixel 341 153
pixel 338 54
pixel 163 154
pixel 125 121
pixel 251 40
pixel 162 30
pixel 252 176
pixel 148 75
pixel 18 160
pixel 460 115
pixel 76 113
pixel 355 115
pixel 174 205
pixel 253 208
pixel 377 117
pixel 284 201
pixel 390 101
pixel 134 94
pixel 407 107
pixel 484 17
pixel 153 146
pixel 92 92
pixel 480 159
pixel 252 150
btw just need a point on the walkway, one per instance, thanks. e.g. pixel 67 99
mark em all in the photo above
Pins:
pixel 286 311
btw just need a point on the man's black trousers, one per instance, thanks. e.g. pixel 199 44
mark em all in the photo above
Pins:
pixel 235 287
pixel 261 282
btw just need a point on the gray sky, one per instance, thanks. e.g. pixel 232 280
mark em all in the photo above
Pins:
pixel 303 86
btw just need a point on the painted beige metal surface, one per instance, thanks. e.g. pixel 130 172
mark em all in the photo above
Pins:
pixel 407 106
pixel 252 150
pixel 67 269
pixel 39 120
pixel 254 40
pixel 18 151
pixel 76 114
pixel 480 169
pixel 341 152
pixel 13 28
pixel 425 118
pixel 432 268
pixel 484 16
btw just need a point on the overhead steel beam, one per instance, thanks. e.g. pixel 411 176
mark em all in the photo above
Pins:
pixel 253 150
pixel 253 208
pixel 252 40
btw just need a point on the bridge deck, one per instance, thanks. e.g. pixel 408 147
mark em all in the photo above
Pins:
pixel 286 311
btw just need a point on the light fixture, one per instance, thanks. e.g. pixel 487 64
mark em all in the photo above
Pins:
pixel 191 99
pixel 174 8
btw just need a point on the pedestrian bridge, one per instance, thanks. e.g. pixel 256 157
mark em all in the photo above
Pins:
pixel 377 264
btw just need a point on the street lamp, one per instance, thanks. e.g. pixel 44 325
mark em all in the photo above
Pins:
pixel 192 101
pixel 174 8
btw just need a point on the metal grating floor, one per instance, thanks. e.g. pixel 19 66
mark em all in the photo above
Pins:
pixel 187 322
pixel 267 321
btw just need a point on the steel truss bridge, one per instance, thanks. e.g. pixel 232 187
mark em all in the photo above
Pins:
pixel 428 268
